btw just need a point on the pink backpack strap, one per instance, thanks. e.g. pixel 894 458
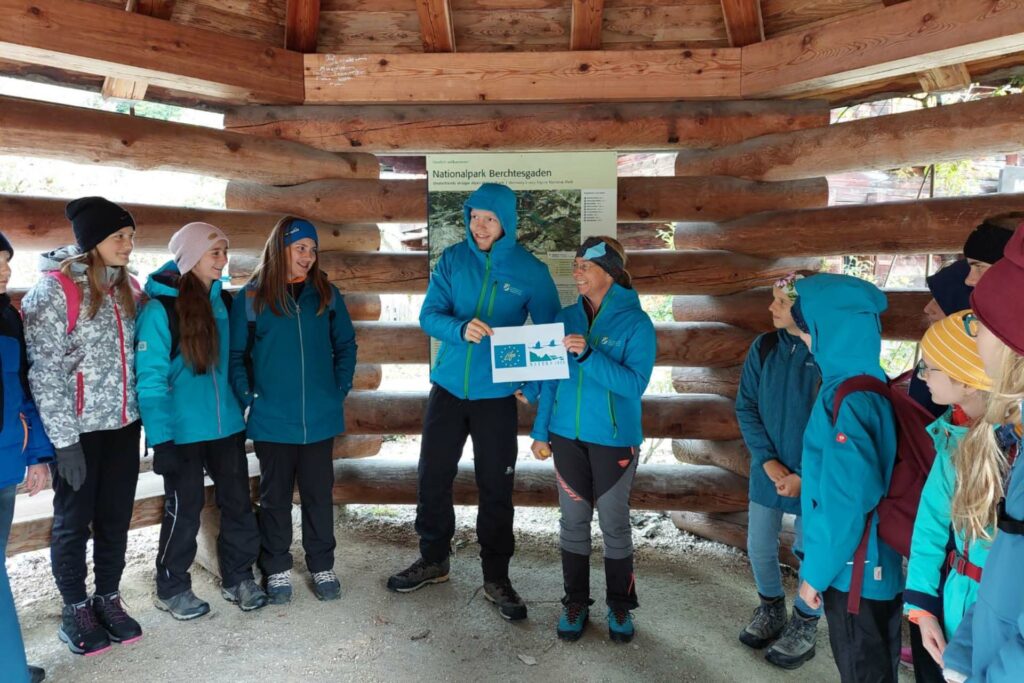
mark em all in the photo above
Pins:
pixel 72 295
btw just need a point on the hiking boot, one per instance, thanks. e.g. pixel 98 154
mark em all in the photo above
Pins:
pixel 80 630
pixel 246 594
pixel 502 594
pixel 418 575
pixel 796 644
pixel 115 620
pixel 279 588
pixel 574 619
pixel 36 674
pixel 183 606
pixel 767 624
pixel 620 625
pixel 326 585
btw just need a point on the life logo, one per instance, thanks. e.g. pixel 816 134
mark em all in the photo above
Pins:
pixel 509 288
pixel 605 341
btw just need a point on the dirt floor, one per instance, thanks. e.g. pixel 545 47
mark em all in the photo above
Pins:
pixel 695 597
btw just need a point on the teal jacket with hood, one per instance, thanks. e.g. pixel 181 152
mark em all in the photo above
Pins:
pixel 500 287
pixel 599 403
pixel 303 362
pixel 177 404
pixel 846 465
pixel 931 535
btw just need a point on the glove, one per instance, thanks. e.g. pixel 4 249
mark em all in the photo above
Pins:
pixel 71 465
pixel 165 459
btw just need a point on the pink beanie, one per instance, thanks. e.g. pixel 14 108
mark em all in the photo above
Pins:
pixel 190 243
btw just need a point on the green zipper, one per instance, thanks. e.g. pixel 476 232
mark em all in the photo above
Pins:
pixel 611 414
pixel 479 305
pixel 579 384
pixel 490 304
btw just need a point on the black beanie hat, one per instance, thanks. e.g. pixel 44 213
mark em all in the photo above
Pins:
pixel 5 245
pixel 94 219
pixel 986 242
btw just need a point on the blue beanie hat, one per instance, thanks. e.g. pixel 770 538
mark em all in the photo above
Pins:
pixel 948 288
pixel 298 229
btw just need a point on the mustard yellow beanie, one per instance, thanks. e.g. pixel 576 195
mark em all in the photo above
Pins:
pixel 951 344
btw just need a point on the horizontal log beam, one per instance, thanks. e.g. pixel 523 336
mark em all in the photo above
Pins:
pixel 105 41
pixel 593 76
pixel 667 416
pixel 88 136
pixel 704 344
pixel 639 199
pixel 902 39
pixel 653 271
pixel 526 127
pixel 729 455
pixel 731 529
pixel 903 320
pixel 655 487
pixel 915 227
pixel 959 131
pixel 38 223
pixel 723 381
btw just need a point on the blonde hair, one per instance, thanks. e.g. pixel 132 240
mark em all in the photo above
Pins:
pixel 96 281
pixel 979 462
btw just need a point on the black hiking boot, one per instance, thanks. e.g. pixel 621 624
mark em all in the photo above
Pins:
pixel 502 594
pixel 110 612
pixel 417 575
pixel 80 630
pixel 796 644
pixel 767 624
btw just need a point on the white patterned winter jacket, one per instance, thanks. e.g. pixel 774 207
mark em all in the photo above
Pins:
pixel 83 381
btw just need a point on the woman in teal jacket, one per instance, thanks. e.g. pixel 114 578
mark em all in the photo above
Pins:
pixel 592 423
pixel 293 355
pixel 838 316
pixel 194 422
pixel 955 376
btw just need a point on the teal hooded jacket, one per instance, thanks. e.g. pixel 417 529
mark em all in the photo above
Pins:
pixel 177 404
pixel 599 403
pixel 846 465
pixel 500 287
pixel 931 535
pixel 303 362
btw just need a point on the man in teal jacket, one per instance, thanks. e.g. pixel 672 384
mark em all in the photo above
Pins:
pixel 486 281
pixel 847 464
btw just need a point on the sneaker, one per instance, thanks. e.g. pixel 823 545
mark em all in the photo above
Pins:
pixel 620 625
pixel 115 620
pixel 36 674
pixel 573 620
pixel 80 630
pixel 767 624
pixel 183 606
pixel 796 645
pixel 279 588
pixel 246 594
pixel 326 585
pixel 418 575
pixel 502 594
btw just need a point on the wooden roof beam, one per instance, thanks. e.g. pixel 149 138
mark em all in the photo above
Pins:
pixel 586 23
pixel 79 36
pixel 743 22
pixel 301 25
pixel 127 89
pixel 906 38
pixel 436 25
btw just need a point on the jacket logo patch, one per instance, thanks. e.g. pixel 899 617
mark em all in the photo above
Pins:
pixel 840 438
pixel 141 346
pixel 605 341
pixel 511 289
pixel 624 463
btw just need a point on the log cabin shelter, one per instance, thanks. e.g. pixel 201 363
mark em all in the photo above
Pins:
pixel 316 92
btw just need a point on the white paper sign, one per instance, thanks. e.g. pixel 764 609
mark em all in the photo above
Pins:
pixel 530 352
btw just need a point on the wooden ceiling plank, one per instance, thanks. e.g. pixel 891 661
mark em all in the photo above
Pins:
pixel 743 21
pixel 436 27
pixel 587 21
pixel 127 89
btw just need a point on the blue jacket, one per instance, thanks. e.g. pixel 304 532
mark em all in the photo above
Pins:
pixel 600 401
pixel 499 287
pixel 846 466
pixel 931 535
pixel 772 406
pixel 22 439
pixel 177 404
pixel 302 362
pixel 989 644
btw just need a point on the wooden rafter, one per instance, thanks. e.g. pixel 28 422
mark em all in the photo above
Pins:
pixel 89 38
pixel 127 89
pixel 302 25
pixel 906 38
pixel 945 78
pixel 743 22
pixel 436 27
pixel 586 24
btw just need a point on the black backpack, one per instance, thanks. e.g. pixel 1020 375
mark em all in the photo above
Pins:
pixel 168 302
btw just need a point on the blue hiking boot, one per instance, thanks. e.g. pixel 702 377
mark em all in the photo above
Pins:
pixel 620 625
pixel 573 621
pixel 279 588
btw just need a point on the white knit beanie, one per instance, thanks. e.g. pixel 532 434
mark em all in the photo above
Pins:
pixel 190 243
